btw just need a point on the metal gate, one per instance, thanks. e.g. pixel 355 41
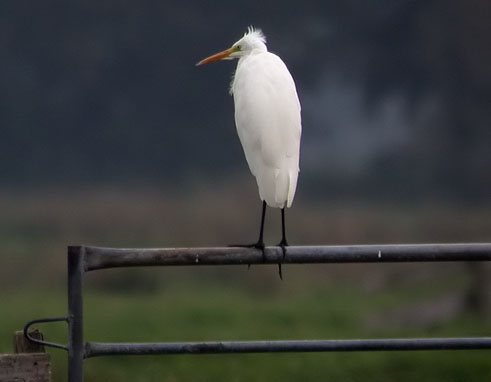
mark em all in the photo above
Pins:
pixel 82 259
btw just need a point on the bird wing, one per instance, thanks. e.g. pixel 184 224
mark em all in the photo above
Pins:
pixel 267 116
pixel 267 110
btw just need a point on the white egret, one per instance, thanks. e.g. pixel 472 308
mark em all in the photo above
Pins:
pixel 267 117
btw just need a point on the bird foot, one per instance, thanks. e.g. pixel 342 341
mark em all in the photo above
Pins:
pixel 282 244
pixel 257 245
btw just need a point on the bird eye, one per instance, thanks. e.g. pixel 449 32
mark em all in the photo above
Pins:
pixel 237 47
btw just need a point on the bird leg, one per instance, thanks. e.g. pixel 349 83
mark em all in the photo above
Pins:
pixel 260 242
pixel 283 243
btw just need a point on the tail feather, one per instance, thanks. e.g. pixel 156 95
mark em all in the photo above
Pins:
pixel 292 187
pixel 277 187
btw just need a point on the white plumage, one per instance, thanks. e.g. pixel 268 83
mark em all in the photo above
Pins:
pixel 267 116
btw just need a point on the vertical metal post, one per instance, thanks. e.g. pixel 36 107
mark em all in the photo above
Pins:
pixel 76 270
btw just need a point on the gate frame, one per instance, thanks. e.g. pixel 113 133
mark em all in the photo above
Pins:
pixel 82 259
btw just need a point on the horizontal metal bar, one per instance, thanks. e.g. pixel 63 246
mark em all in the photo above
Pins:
pixel 99 258
pixel 94 349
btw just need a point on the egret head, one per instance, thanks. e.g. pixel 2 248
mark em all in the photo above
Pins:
pixel 253 40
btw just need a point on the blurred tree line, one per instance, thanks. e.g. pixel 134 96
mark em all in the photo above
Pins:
pixel 396 94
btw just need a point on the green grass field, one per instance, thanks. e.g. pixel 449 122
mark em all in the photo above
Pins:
pixel 228 313
pixel 233 303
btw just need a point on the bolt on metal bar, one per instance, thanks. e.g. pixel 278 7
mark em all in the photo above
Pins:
pixel 100 258
pixel 94 349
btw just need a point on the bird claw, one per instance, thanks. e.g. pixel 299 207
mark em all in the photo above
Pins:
pixel 258 245
pixel 282 244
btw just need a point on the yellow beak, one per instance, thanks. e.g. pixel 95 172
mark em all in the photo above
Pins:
pixel 218 56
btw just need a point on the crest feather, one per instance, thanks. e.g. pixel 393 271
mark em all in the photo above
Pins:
pixel 257 33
